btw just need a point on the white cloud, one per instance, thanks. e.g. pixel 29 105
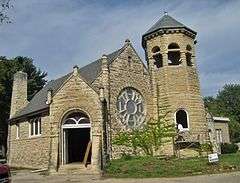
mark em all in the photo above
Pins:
pixel 61 33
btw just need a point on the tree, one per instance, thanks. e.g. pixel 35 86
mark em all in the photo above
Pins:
pixel 36 80
pixel 5 5
pixel 227 103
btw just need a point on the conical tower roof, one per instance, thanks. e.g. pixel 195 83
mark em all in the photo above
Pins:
pixel 167 22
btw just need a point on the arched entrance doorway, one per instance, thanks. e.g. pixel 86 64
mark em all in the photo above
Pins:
pixel 76 130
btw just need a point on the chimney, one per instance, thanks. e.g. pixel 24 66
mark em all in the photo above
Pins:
pixel 49 97
pixel 19 92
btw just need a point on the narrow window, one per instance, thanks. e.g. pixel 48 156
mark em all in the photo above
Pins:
pixel 219 138
pixel 40 125
pixel 31 127
pixel 17 131
pixel 174 57
pixel 35 127
pixel 182 120
pixel 129 60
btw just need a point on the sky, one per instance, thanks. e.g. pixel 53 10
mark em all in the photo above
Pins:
pixel 59 34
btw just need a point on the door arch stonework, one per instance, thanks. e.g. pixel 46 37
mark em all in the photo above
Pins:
pixel 75 136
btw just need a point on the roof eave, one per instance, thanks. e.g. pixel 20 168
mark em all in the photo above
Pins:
pixel 40 111
pixel 165 28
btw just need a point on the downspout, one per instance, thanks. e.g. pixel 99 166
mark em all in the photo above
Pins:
pixel 104 156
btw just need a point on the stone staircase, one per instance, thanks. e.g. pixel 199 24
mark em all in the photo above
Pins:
pixel 77 169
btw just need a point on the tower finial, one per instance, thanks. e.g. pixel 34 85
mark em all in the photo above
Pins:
pixel 165 13
pixel 127 41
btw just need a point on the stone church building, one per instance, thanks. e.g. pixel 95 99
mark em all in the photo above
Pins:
pixel 83 110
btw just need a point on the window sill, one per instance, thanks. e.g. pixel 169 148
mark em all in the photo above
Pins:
pixel 35 136
pixel 184 130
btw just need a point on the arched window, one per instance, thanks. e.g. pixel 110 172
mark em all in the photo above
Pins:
pixel 189 55
pixel 182 120
pixel 76 120
pixel 173 46
pixel 155 49
pixel 174 57
pixel 157 56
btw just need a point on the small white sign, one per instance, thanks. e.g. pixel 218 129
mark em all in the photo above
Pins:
pixel 212 158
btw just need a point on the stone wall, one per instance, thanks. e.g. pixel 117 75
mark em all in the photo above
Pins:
pixel 123 74
pixel 75 94
pixel 26 151
pixel 225 130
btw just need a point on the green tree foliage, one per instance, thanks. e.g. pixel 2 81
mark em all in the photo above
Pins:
pixel 5 5
pixel 7 69
pixel 227 103
pixel 150 138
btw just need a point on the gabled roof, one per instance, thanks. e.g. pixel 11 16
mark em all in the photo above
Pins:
pixel 167 22
pixel 89 72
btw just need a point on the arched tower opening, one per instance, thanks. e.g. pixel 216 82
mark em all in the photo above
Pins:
pixel 157 56
pixel 174 57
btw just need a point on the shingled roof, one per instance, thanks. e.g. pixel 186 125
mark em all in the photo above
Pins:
pixel 166 22
pixel 89 72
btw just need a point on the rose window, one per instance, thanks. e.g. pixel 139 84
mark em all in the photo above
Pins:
pixel 131 108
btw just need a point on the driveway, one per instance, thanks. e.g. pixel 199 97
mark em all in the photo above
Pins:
pixel 25 176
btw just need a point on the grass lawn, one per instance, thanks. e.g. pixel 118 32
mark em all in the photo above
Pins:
pixel 140 167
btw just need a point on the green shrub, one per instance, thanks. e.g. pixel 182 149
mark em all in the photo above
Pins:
pixel 228 148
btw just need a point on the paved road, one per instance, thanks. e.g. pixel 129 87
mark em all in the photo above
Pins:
pixel 27 177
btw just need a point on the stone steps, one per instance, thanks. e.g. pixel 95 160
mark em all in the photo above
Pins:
pixel 77 169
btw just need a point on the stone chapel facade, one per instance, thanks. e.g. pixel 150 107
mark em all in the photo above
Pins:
pixel 116 92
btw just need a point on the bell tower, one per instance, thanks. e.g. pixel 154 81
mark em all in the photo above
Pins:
pixel 170 52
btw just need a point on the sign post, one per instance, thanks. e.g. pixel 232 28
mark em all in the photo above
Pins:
pixel 213 158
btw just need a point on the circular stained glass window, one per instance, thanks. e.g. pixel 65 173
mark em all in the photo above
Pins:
pixel 131 109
